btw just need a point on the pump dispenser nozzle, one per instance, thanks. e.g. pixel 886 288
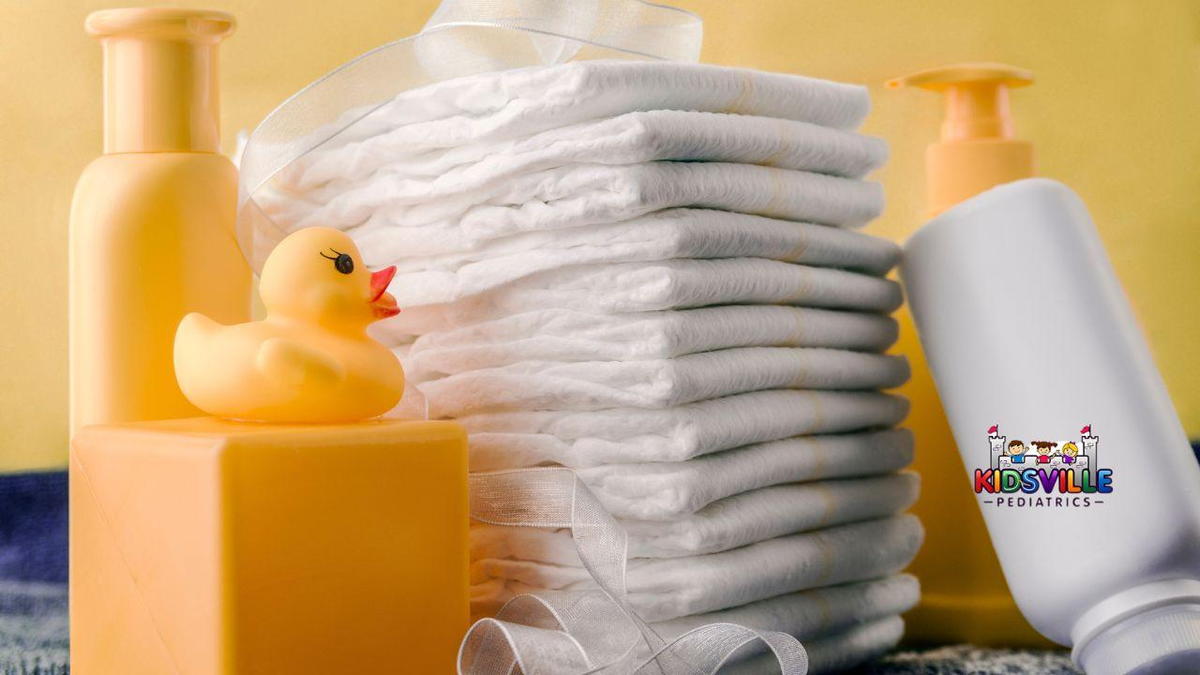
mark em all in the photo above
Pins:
pixel 977 150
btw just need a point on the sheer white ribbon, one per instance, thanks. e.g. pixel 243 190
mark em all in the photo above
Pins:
pixel 589 631
pixel 550 632
pixel 463 37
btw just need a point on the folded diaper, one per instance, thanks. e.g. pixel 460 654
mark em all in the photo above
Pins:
pixel 417 223
pixel 670 490
pixel 841 651
pixel 835 652
pixel 772 512
pixel 517 102
pixel 659 383
pixel 651 286
pixel 813 613
pixel 631 138
pixel 571 335
pixel 662 589
pixel 735 521
pixel 586 439
pixel 663 235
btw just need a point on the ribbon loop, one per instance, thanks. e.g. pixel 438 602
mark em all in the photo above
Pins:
pixel 590 631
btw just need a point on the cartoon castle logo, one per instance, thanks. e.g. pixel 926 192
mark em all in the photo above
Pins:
pixel 1060 466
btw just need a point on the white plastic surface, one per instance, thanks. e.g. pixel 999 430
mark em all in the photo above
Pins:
pixel 1026 326
pixel 1161 641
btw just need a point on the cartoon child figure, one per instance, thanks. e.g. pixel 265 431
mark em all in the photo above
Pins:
pixel 1016 451
pixel 1069 452
pixel 1045 450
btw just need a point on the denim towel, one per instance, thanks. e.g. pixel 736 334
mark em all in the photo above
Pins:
pixel 33 526
pixel 33 628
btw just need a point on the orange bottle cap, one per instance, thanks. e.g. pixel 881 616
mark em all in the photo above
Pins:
pixel 977 149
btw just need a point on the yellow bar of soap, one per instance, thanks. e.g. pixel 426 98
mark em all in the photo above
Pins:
pixel 203 546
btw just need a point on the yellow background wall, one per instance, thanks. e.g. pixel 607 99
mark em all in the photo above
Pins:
pixel 1114 114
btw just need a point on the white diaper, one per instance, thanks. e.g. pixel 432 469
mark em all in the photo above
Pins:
pixel 838 652
pixel 590 194
pixel 840 623
pixel 662 589
pixel 586 439
pixel 575 196
pixel 517 102
pixel 663 235
pixel 835 652
pixel 813 613
pixel 652 286
pixel 772 512
pixel 660 383
pixel 735 521
pixel 631 138
pixel 671 490
pixel 571 335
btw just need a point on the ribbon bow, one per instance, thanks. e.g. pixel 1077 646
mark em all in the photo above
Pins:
pixel 589 631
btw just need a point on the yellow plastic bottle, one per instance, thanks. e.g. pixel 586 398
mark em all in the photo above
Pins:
pixel 964 597
pixel 152 224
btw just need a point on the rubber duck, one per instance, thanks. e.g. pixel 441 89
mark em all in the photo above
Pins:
pixel 310 360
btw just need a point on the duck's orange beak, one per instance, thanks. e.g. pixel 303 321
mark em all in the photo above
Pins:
pixel 382 302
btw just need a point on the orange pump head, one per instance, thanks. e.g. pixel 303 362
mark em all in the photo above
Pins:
pixel 977 150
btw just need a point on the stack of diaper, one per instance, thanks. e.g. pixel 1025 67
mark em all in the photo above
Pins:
pixel 645 272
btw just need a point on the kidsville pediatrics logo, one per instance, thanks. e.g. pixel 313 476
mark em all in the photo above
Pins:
pixel 1043 474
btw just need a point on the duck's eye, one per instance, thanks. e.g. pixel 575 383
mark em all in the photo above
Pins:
pixel 342 262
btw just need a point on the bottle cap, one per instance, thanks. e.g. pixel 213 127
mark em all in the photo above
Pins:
pixel 1149 629
pixel 977 149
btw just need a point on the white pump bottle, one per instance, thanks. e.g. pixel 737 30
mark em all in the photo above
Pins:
pixel 1026 328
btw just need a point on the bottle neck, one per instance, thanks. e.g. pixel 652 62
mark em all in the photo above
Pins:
pixel 977 150
pixel 977 110
pixel 160 95
pixel 160 78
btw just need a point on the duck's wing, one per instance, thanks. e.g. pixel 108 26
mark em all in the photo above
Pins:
pixel 192 338
pixel 293 364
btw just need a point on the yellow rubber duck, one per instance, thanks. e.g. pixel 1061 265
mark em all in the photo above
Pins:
pixel 310 360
